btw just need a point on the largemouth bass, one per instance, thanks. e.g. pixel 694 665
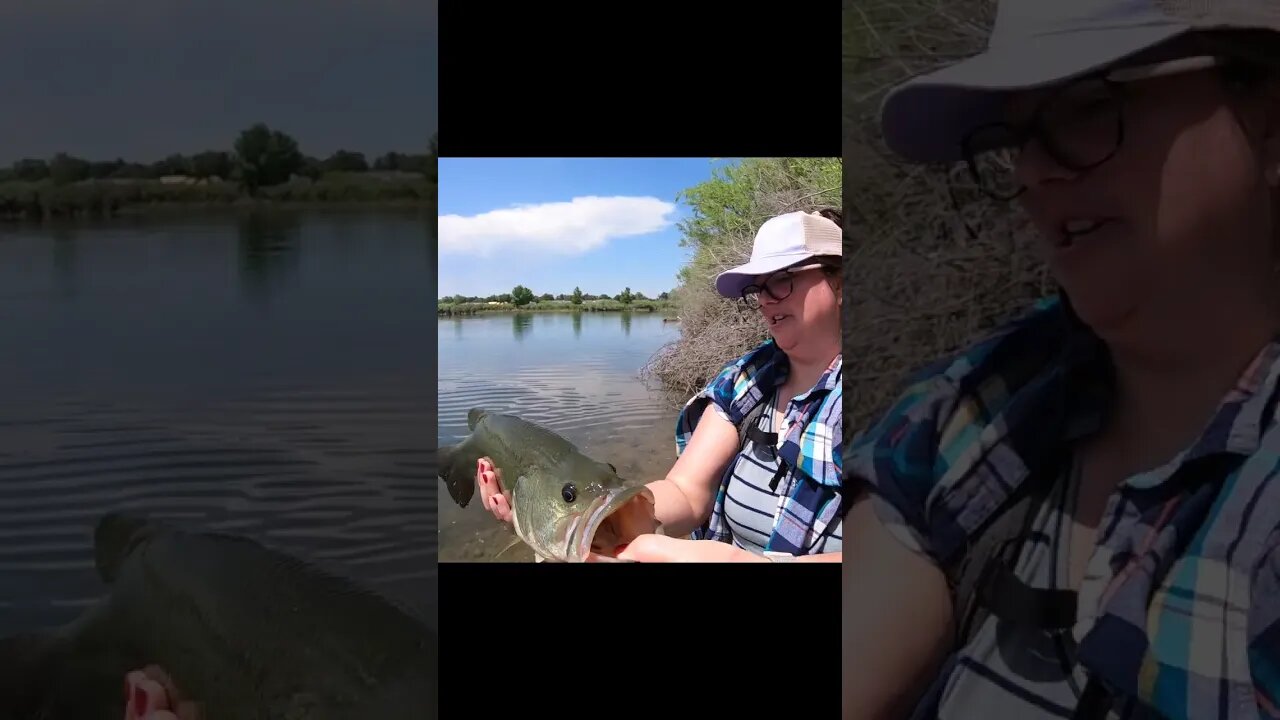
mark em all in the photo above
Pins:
pixel 245 631
pixel 564 504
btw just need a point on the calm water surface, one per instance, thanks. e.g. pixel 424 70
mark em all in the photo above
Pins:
pixel 574 373
pixel 263 375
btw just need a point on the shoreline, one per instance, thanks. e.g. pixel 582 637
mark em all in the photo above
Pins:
pixel 446 311
pixel 442 313
pixel 161 211
pixel 97 200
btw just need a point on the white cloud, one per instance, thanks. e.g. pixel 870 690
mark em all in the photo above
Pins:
pixel 567 228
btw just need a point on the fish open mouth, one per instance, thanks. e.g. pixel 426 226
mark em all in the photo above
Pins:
pixel 610 522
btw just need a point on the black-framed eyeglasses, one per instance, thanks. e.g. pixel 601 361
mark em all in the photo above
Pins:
pixel 1079 127
pixel 779 285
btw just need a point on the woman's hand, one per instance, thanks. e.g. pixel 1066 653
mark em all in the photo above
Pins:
pixel 150 694
pixel 660 548
pixel 495 498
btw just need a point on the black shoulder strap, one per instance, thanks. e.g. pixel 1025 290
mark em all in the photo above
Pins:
pixel 967 570
pixel 978 566
pixel 749 429
pixel 749 422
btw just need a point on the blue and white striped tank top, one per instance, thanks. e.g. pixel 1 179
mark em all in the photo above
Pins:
pixel 751 505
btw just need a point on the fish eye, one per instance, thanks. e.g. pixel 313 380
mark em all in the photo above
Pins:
pixel 569 492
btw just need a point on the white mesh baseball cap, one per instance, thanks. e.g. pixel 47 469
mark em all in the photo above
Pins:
pixel 781 242
pixel 1040 43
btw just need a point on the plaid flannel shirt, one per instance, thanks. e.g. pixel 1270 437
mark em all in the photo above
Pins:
pixel 811 489
pixel 1180 605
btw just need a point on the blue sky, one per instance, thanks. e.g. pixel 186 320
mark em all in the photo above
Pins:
pixel 553 224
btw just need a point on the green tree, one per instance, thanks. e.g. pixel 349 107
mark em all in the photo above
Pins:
pixel 105 169
pixel 547 297
pixel 31 170
pixel 265 157
pixel 664 296
pixel 312 168
pixel 175 164
pixel 625 297
pixel 64 169
pixel 433 160
pixel 389 162
pixel 211 163
pixel 521 296
pixel 346 161
pixel 131 171
pixel 576 298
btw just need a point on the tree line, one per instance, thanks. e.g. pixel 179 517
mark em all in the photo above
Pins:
pixel 521 296
pixel 260 157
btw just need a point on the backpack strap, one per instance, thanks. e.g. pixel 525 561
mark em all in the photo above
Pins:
pixel 981 580
pixel 985 582
pixel 966 572
pixel 748 426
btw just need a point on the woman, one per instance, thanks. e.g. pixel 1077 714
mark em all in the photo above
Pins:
pixel 1135 413
pixel 778 495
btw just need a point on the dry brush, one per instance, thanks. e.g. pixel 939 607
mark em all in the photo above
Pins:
pixel 929 264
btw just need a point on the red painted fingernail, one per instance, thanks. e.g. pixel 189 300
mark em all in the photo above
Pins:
pixel 483 480
pixel 618 550
pixel 139 700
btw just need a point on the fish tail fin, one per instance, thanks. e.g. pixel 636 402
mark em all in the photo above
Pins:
pixel 474 416
pixel 113 538
pixel 460 481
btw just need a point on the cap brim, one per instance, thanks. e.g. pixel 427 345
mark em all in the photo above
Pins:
pixel 925 119
pixel 731 282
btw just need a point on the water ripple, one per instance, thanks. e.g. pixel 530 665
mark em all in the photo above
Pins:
pixel 341 479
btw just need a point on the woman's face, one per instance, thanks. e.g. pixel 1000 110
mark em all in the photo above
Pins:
pixel 808 317
pixel 1179 217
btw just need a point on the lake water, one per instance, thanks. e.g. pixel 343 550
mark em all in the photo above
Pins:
pixel 266 375
pixel 576 374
